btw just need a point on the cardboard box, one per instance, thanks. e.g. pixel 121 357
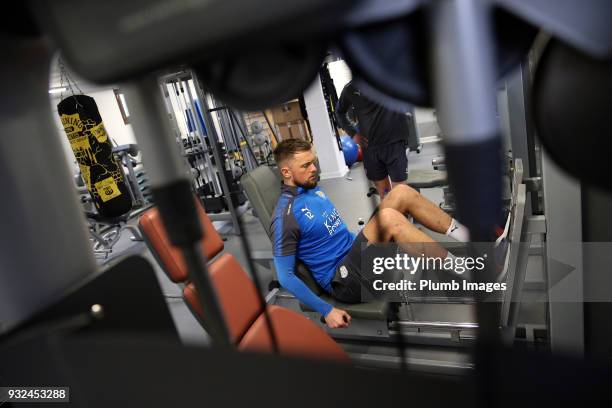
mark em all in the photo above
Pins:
pixel 287 112
pixel 294 130
pixel 284 132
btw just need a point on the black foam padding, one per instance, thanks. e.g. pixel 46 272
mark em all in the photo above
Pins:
pixel 18 20
pixel 179 213
pixel 262 77
pixel 393 56
pixel 572 97
pixel 148 371
pixel 475 175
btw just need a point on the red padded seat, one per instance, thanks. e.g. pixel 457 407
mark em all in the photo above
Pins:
pixel 170 257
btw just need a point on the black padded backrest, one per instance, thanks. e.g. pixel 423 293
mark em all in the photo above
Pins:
pixel 262 187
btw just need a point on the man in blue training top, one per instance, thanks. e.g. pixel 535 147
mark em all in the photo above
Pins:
pixel 306 226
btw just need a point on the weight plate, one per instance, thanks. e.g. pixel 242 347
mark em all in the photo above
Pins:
pixel 571 97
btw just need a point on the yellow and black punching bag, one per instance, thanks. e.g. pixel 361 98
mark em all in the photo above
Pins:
pixel 92 149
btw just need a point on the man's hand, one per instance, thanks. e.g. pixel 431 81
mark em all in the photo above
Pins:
pixel 337 318
pixel 360 140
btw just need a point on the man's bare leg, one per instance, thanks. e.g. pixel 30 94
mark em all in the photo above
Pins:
pixel 397 183
pixel 383 187
pixel 391 225
pixel 407 200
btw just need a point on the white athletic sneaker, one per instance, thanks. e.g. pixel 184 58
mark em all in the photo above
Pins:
pixel 504 234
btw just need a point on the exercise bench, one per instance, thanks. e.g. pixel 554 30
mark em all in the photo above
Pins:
pixel 237 296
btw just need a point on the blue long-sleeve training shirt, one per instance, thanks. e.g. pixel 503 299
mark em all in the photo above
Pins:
pixel 306 226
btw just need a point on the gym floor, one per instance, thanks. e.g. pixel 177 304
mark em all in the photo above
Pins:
pixel 349 196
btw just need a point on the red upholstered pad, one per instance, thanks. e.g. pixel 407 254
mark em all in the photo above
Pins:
pixel 236 294
pixel 295 335
pixel 172 261
pixel 191 298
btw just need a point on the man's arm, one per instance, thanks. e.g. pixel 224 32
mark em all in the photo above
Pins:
pixel 285 236
pixel 342 110
pixel 285 269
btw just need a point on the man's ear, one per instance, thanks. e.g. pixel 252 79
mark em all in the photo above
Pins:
pixel 285 172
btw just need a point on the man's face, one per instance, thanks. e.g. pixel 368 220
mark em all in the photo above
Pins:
pixel 301 171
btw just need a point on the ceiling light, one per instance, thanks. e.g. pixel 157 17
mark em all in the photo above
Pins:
pixel 57 90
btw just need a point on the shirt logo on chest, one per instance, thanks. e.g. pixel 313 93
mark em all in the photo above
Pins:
pixel 332 221
pixel 307 213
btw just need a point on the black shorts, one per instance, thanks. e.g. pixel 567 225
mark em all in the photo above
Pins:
pixel 387 160
pixel 352 284
pixel 347 282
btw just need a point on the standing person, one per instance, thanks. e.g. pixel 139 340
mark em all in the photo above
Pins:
pixel 382 135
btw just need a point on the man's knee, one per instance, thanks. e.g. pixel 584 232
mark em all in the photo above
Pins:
pixel 404 192
pixel 385 224
pixel 390 219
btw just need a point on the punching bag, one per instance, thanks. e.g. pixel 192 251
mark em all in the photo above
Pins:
pixel 92 149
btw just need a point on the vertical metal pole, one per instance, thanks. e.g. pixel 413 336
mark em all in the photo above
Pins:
pixel 519 122
pixel 172 118
pixel 464 79
pixel 234 134
pixel 244 129
pixel 276 139
pixel 208 167
pixel 203 162
pixel 207 162
pixel 464 73
pixel 227 132
pixel 170 110
pixel 175 95
pixel 217 154
pixel 172 190
pixel 132 183
pixel 250 159
pixel 563 247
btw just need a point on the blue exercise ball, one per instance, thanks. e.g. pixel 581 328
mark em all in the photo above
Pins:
pixel 350 150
